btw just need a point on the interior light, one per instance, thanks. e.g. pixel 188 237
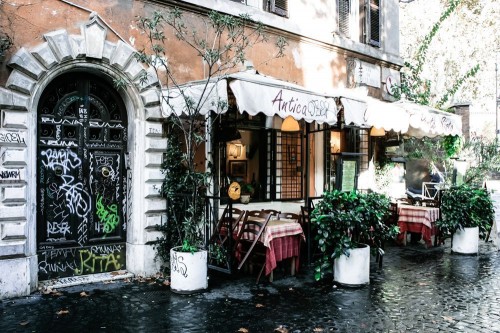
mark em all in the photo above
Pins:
pixel 377 131
pixel 290 125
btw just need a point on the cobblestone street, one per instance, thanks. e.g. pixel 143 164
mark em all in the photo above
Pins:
pixel 417 290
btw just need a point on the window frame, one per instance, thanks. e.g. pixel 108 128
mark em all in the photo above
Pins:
pixel 371 21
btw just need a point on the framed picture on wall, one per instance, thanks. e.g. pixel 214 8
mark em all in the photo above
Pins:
pixel 238 168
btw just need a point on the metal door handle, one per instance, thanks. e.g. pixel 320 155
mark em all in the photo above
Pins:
pixel 58 170
pixel 105 172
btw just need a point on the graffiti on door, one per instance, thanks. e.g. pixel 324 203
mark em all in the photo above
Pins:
pixel 82 179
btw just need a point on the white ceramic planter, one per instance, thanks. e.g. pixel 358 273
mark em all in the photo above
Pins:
pixel 353 270
pixel 188 271
pixel 245 198
pixel 466 241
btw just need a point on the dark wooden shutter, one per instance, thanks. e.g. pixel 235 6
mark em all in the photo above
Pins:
pixel 373 20
pixel 279 7
pixel 343 14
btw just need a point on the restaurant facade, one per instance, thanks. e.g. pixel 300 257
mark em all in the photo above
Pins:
pixel 80 160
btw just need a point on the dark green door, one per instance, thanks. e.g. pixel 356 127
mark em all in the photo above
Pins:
pixel 82 179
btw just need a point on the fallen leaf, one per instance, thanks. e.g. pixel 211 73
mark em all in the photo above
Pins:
pixel 258 305
pixel 166 283
pixel 448 318
pixel 281 329
pixel 62 312
pixel 84 294
pixel 24 323
pixel 243 330
pixel 318 329
pixel 121 272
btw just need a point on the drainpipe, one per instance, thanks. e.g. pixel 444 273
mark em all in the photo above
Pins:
pixel 307 195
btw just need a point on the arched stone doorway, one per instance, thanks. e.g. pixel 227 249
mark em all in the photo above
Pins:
pixel 34 72
pixel 82 177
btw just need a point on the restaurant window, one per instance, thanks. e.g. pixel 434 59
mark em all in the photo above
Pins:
pixel 265 160
pixel 350 142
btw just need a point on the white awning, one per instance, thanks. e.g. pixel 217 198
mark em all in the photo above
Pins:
pixel 258 93
pixel 388 116
pixel 214 98
pixel 370 112
pixel 255 93
pixel 430 122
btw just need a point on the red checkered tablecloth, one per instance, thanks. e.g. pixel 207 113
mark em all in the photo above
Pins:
pixel 417 219
pixel 282 239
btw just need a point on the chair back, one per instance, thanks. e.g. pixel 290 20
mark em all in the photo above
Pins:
pixel 226 224
pixel 304 216
pixel 250 231
pixel 289 216
pixel 271 211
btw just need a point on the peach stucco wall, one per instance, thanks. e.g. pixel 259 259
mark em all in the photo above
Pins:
pixel 314 65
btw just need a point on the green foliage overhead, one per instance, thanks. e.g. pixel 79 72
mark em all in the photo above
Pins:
pixel 416 88
pixel 221 42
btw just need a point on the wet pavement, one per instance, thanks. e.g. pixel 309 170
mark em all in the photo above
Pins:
pixel 416 290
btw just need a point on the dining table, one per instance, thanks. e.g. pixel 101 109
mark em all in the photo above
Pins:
pixel 282 239
pixel 417 219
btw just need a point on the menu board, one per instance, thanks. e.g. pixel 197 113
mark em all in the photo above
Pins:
pixel 348 175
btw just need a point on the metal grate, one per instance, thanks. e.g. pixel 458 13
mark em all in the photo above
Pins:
pixel 289 180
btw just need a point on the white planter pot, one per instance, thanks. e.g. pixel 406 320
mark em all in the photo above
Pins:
pixel 188 271
pixel 353 270
pixel 466 241
pixel 245 198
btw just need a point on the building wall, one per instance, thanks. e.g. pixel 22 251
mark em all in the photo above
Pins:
pixel 52 37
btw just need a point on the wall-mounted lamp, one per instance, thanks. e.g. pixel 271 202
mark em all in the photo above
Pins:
pixel 377 131
pixel 290 125
pixel 235 150
pixel 334 142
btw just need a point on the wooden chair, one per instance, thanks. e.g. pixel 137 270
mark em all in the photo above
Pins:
pixel 304 216
pixel 289 216
pixel 226 224
pixel 272 211
pixel 248 243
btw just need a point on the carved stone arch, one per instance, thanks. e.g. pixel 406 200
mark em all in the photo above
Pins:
pixel 32 71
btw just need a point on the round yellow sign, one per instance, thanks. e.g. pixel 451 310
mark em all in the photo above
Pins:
pixel 234 191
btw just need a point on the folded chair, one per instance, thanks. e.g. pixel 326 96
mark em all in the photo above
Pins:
pixel 227 223
pixel 248 244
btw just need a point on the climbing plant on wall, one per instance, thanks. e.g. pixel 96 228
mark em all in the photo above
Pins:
pixel 417 88
pixel 220 42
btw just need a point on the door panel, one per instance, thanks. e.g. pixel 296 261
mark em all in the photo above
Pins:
pixel 82 183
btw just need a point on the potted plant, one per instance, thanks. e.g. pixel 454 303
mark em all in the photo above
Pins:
pixel 247 190
pixel 348 225
pixel 190 117
pixel 467 215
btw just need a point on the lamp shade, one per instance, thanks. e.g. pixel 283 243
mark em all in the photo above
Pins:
pixel 377 131
pixel 290 125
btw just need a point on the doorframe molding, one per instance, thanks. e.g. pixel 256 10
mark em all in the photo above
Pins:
pixel 32 71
